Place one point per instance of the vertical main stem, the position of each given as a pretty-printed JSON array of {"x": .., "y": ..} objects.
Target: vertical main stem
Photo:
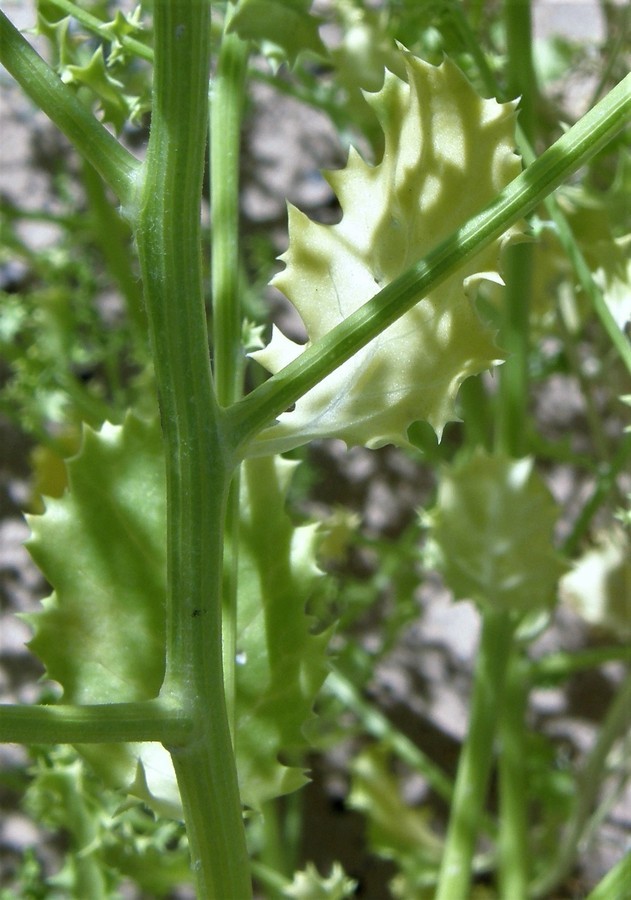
[{"x": 197, "y": 465}]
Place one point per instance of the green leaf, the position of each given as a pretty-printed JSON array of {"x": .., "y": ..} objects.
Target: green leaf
[
  {"x": 116, "y": 105},
  {"x": 282, "y": 28},
  {"x": 396, "y": 830},
  {"x": 101, "y": 634},
  {"x": 447, "y": 154},
  {"x": 282, "y": 665},
  {"x": 492, "y": 531}
]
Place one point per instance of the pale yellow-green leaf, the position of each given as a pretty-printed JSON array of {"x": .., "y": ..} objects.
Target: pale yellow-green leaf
[
  {"x": 447, "y": 154},
  {"x": 599, "y": 586}
]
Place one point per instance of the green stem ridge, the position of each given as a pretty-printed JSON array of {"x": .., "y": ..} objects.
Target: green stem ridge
[
  {"x": 116, "y": 165},
  {"x": 519, "y": 198},
  {"x": 197, "y": 467}
]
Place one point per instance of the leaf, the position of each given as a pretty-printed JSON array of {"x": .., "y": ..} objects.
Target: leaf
[
  {"x": 283, "y": 28},
  {"x": 492, "y": 529},
  {"x": 615, "y": 283},
  {"x": 396, "y": 830},
  {"x": 101, "y": 634},
  {"x": 308, "y": 884},
  {"x": 283, "y": 665},
  {"x": 599, "y": 585},
  {"x": 447, "y": 154}
]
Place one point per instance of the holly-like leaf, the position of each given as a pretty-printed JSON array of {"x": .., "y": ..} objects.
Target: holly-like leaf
[
  {"x": 492, "y": 533},
  {"x": 447, "y": 154},
  {"x": 282, "y": 28},
  {"x": 282, "y": 665},
  {"x": 101, "y": 634}
]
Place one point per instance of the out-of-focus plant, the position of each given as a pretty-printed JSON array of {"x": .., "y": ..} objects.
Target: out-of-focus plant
[{"x": 191, "y": 616}]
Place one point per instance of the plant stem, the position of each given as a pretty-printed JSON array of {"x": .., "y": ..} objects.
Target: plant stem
[
  {"x": 112, "y": 235},
  {"x": 606, "y": 482},
  {"x": 376, "y": 724},
  {"x": 197, "y": 466},
  {"x": 513, "y": 856},
  {"x": 116, "y": 165},
  {"x": 518, "y": 199},
  {"x": 515, "y": 335},
  {"x": 148, "y": 720},
  {"x": 615, "y": 883},
  {"x": 225, "y": 135},
  {"x": 512, "y": 400},
  {"x": 476, "y": 757},
  {"x": 226, "y": 109},
  {"x": 524, "y": 142},
  {"x": 511, "y": 438},
  {"x": 617, "y": 723},
  {"x": 97, "y": 26},
  {"x": 557, "y": 667}
]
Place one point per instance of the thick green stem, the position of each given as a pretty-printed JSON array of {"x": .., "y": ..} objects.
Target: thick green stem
[
  {"x": 518, "y": 199},
  {"x": 117, "y": 167},
  {"x": 476, "y": 757},
  {"x": 197, "y": 467}
]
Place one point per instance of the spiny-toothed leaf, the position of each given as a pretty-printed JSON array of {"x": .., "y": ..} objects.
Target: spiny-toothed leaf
[
  {"x": 308, "y": 884},
  {"x": 396, "y": 830},
  {"x": 101, "y": 634},
  {"x": 492, "y": 531},
  {"x": 447, "y": 154},
  {"x": 116, "y": 106},
  {"x": 282, "y": 664},
  {"x": 282, "y": 28}
]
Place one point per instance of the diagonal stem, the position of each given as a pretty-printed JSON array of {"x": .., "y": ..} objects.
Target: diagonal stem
[{"x": 116, "y": 165}]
